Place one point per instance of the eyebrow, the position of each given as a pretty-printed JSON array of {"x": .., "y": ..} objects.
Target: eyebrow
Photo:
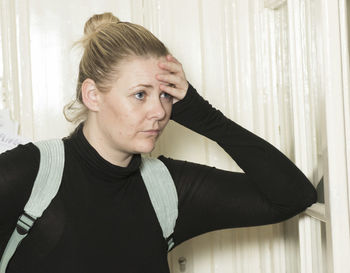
[{"x": 143, "y": 85}]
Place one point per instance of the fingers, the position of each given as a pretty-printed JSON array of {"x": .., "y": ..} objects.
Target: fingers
[
  {"x": 171, "y": 58},
  {"x": 170, "y": 78},
  {"x": 174, "y": 82},
  {"x": 171, "y": 67},
  {"x": 172, "y": 64},
  {"x": 171, "y": 89}
]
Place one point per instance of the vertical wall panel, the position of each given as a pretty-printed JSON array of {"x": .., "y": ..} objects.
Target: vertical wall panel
[
  {"x": 180, "y": 32},
  {"x": 308, "y": 96},
  {"x": 16, "y": 82},
  {"x": 213, "y": 66}
]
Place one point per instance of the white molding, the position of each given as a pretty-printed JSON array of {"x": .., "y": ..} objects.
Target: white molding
[
  {"x": 344, "y": 26},
  {"x": 7, "y": 19},
  {"x": 303, "y": 47},
  {"x": 274, "y": 4},
  {"x": 25, "y": 90},
  {"x": 305, "y": 241},
  {"x": 317, "y": 211}
]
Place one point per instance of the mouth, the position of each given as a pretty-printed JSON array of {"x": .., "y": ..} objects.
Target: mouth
[{"x": 152, "y": 132}]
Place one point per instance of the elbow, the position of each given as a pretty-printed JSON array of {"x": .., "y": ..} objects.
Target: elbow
[
  {"x": 305, "y": 196},
  {"x": 313, "y": 197},
  {"x": 300, "y": 204},
  {"x": 309, "y": 196}
]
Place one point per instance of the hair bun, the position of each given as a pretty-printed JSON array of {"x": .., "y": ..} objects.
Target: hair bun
[{"x": 99, "y": 20}]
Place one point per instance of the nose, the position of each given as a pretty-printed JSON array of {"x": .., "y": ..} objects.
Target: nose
[{"x": 156, "y": 109}]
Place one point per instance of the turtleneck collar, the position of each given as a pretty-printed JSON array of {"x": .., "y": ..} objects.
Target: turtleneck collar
[{"x": 96, "y": 162}]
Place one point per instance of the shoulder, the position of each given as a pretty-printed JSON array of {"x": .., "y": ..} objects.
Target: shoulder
[
  {"x": 175, "y": 165},
  {"x": 18, "y": 170},
  {"x": 184, "y": 172},
  {"x": 20, "y": 159}
]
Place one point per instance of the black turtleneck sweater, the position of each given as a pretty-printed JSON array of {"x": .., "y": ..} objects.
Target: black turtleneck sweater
[{"x": 102, "y": 219}]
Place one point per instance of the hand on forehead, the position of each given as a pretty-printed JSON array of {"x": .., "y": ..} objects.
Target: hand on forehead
[{"x": 176, "y": 83}]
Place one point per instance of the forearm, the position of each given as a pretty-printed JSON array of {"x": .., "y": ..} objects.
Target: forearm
[{"x": 273, "y": 174}]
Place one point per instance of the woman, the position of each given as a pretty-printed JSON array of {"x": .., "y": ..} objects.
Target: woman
[{"x": 102, "y": 220}]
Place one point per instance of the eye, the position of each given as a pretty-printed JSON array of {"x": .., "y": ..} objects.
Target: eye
[
  {"x": 167, "y": 96},
  {"x": 142, "y": 93}
]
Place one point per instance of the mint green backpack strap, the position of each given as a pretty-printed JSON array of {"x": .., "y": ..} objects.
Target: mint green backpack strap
[
  {"x": 162, "y": 192},
  {"x": 45, "y": 188}
]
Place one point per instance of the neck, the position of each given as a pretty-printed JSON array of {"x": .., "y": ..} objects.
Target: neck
[{"x": 103, "y": 146}]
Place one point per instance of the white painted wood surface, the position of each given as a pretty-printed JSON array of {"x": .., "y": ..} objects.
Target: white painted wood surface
[{"x": 337, "y": 106}]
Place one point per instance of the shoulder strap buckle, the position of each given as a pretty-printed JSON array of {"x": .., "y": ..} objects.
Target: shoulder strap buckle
[
  {"x": 25, "y": 223},
  {"x": 170, "y": 241}
]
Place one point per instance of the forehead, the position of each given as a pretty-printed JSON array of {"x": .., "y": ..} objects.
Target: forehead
[{"x": 140, "y": 68}]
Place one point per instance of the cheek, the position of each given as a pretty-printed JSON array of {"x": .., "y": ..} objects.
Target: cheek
[
  {"x": 129, "y": 123},
  {"x": 119, "y": 119},
  {"x": 168, "y": 109}
]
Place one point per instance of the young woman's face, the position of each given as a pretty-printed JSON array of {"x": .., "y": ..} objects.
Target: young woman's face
[{"x": 134, "y": 106}]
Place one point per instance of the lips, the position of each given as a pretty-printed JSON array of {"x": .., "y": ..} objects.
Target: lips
[{"x": 152, "y": 131}]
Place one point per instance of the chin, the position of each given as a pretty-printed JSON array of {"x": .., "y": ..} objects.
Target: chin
[{"x": 144, "y": 149}]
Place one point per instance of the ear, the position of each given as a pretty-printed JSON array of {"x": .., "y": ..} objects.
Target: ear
[{"x": 90, "y": 95}]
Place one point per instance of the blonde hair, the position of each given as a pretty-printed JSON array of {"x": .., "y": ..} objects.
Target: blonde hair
[{"x": 106, "y": 42}]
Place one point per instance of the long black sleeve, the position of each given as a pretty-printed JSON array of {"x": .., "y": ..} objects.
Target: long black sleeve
[
  {"x": 270, "y": 190},
  {"x": 102, "y": 219}
]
